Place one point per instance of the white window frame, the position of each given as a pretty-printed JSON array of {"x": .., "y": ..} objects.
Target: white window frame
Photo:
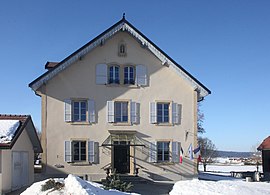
[
  {"x": 80, "y": 110},
  {"x": 163, "y": 151},
  {"x": 80, "y": 150},
  {"x": 121, "y": 111},
  {"x": 129, "y": 80},
  {"x": 113, "y": 79},
  {"x": 163, "y": 112}
]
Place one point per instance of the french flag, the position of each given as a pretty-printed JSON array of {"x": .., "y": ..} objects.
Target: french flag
[
  {"x": 181, "y": 156},
  {"x": 197, "y": 152}
]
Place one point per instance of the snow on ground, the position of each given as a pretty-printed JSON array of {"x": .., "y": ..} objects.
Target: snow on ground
[
  {"x": 227, "y": 169},
  {"x": 73, "y": 185},
  {"x": 7, "y": 130},
  {"x": 198, "y": 187}
]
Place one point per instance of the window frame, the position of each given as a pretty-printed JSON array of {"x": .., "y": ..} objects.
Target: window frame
[
  {"x": 121, "y": 102},
  {"x": 165, "y": 157},
  {"x": 114, "y": 79},
  {"x": 163, "y": 116},
  {"x": 80, "y": 114},
  {"x": 129, "y": 80},
  {"x": 73, "y": 142}
]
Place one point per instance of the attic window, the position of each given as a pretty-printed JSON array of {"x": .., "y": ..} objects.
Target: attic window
[{"x": 122, "y": 49}]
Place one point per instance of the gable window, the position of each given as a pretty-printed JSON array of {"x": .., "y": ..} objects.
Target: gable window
[
  {"x": 114, "y": 75},
  {"x": 121, "y": 112},
  {"x": 163, "y": 151},
  {"x": 79, "y": 110},
  {"x": 163, "y": 112},
  {"x": 122, "y": 49},
  {"x": 79, "y": 150},
  {"x": 129, "y": 77}
]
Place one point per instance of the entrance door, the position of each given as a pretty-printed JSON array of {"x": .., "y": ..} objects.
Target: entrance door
[{"x": 121, "y": 157}]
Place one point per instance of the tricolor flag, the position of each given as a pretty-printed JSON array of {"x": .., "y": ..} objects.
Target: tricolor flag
[
  {"x": 190, "y": 152},
  {"x": 181, "y": 155},
  {"x": 197, "y": 152}
]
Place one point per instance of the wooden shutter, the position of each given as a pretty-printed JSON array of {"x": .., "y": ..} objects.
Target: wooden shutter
[
  {"x": 176, "y": 152},
  {"x": 153, "y": 112},
  {"x": 134, "y": 112},
  {"x": 110, "y": 111},
  {"x": 68, "y": 110},
  {"x": 152, "y": 152},
  {"x": 91, "y": 111},
  {"x": 175, "y": 113},
  {"x": 91, "y": 151},
  {"x": 101, "y": 74},
  {"x": 68, "y": 156},
  {"x": 141, "y": 75}
]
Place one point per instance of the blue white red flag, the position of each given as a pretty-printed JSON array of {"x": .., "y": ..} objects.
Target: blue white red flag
[{"x": 190, "y": 152}]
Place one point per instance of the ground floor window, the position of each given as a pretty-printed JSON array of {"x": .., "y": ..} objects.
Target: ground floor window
[
  {"x": 79, "y": 150},
  {"x": 163, "y": 151}
]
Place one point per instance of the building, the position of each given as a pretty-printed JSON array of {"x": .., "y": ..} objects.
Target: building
[
  {"x": 119, "y": 102},
  {"x": 18, "y": 143},
  {"x": 265, "y": 148}
]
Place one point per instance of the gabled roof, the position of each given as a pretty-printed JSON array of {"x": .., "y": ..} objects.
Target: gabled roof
[
  {"x": 122, "y": 25},
  {"x": 25, "y": 123},
  {"x": 265, "y": 145}
]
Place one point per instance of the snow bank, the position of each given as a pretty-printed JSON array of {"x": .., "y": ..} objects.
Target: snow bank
[
  {"x": 198, "y": 187},
  {"x": 7, "y": 130},
  {"x": 73, "y": 185}
]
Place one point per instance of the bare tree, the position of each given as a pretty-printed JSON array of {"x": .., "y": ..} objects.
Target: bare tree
[
  {"x": 256, "y": 156},
  {"x": 208, "y": 151},
  {"x": 200, "y": 119}
]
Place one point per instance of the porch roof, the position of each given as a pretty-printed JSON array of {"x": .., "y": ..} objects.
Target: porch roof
[{"x": 118, "y": 136}]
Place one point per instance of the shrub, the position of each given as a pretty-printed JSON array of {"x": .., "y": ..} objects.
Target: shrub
[
  {"x": 113, "y": 182},
  {"x": 51, "y": 184}
]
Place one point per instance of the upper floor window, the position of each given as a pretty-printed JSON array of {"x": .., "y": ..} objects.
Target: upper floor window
[
  {"x": 129, "y": 76},
  {"x": 121, "y": 112},
  {"x": 114, "y": 74},
  {"x": 163, "y": 112},
  {"x": 79, "y": 110}
]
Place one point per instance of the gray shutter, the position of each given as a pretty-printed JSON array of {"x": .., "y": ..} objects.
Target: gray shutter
[
  {"x": 175, "y": 113},
  {"x": 152, "y": 152},
  {"x": 141, "y": 75},
  {"x": 176, "y": 152},
  {"x": 68, "y": 157},
  {"x": 134, "y": 112},
  {"x": 110, "y": 111},
  {"x": 91, "y": 151},
  {"x": 91, "y": 111},
  {"x": 68, "y": 110},
  {"x": 101, "y": 74},
  {"x": 153, "y": 112}
]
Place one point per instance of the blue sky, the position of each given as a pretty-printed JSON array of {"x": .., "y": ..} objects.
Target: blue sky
[{"x": 224, "y": 44}]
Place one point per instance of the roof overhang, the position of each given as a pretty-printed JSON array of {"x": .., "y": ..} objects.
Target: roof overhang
[
  {"x": 123, "y": 138},
  {"x": 122, "y": 25}
]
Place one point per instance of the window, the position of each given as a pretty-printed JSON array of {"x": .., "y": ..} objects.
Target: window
[
  {"x": 129, "y": 75},
  {"x": 114, "y": 75},
  {"x": 163, "y": 112},
  {"x": 163, "y": 151},
  {"x": 122, "y": 49},
  {"x": 79, "y": 150},
  {"x": 121, "y": 112},
  {"x": 79, "y": 110}
]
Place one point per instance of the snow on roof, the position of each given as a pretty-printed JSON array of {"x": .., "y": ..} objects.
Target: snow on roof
[{"x": 8, "y": 129}]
